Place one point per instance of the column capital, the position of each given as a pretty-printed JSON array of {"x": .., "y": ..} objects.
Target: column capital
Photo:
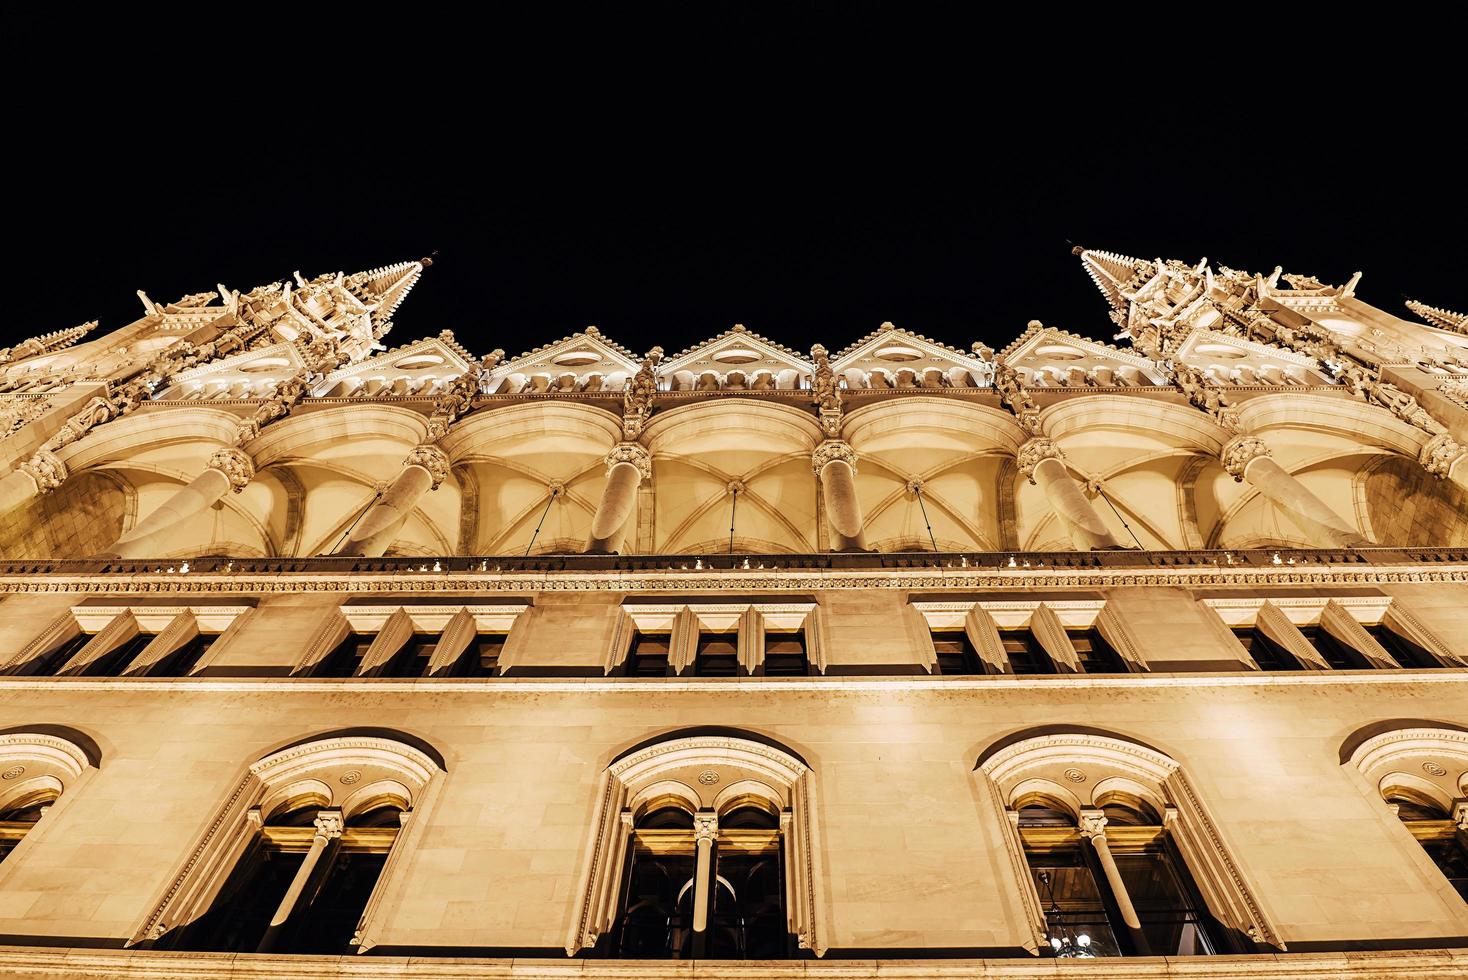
[
  {"x": 1035, "y": 452},
  {"x": 235, "y": 464},
  {"x": 1239, "y": 452},
  {"x": 631, "y": 452},
  {"x": 705, "y": 827},
  {"x": 1460, "y": 815},
  {"x": 831, "y": 451},
  {"x": 330, "y": 824},
  {"x": 432, "y": 459},
  {"x": 1439, "y": 455},
  {"x": 46, "y": 469},
  {"x": 1093, "y": 824}
]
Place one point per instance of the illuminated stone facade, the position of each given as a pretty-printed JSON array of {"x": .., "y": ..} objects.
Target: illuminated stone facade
[{"x": 893, "y": 657}]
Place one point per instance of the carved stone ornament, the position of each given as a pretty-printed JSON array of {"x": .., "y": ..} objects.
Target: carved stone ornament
[
  {"x": 1439, "y": 455},
  {"x": 329, "y": 824},
  {"x": 432, "y": 459},
  {"x": 705, "y": 827},
  {"x": 1013, "y": 396},
  {"x": 1035, "y": 452},
  {"x": 1092, "y": 823},
  {"x": 631, "y": 452},
  {"x": 638, "y": 396},
  {"x": 829, "y": 452},
  {"x": 1239, "y": 452},
  {"x": 48, "y": 471},
  {"x": 236, "y": 465},
  {"x": 1455, "y": 392}
]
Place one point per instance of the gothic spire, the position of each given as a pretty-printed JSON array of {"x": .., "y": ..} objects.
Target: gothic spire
[
  {"x": 1440, "y": 318},
  {"x": 1112, "y": 272},
  {"x": 387, "y": 286}
]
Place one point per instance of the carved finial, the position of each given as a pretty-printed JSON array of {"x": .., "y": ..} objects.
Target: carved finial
[
  {"x": 1035, "y": 325},
  {"x": 1078, "y": 250},
  {"x": 738, "y": 328},
  {"x": 887, "y": 325},
  {"x": 592, "y": 331}
]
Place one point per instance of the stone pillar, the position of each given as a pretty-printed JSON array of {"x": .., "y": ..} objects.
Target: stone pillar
[
  {"x": 834, "y": 463},
  {"x": 423, "y": 470},
  {"x": 628, "y": 464},
  {"x": 40, "y": 474},
  {"x": 227, "y": 469},
  {"x": 329, "y": 827},
  {"x": 1247, "y": 459},
  {"x": 1040, "y": 460},
  {"x": 1093, "y": 828},
  {"x": 705, "y": 832}
]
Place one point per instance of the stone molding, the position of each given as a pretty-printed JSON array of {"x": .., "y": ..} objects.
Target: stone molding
[
  {"x": 205, "y": 870},
  {"x": 1029, "y": 766},
  {"x": 759, "y": 765}
]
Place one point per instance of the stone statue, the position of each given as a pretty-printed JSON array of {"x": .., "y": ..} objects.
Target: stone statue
[{"x": 638, "y": 395}]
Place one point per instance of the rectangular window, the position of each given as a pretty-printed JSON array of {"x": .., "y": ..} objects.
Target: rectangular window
[
  {"x": 347, "y": 657},
  {"x": 718, "y": 655},
  {"x": 1026, "y": 656},
  {"x": 956, "y": 655},
  {"x": 1096, "y": 655},
  {"x": 48, "y": 664},
  {"x": 785, "y": 655},
  {"x": 115, "y": 661},
  {"x": 1406, "y": 653},
  {"x": 412, "y": 659},
  {"x": 482, "y": 659},
  {"x": 649, "y": 655},
  {"x": 1266, "y": 653},
  {"x": 1340, "y": 656},
  {"x": 182, "y": 661}
]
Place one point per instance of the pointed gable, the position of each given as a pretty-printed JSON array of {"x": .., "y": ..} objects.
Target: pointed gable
[
  {"x": 736, "y": 360},
  {"x": 892, "y": 358},
  {"x": 584, "y": 361},
  {"x": 250, "y": 374},
  {"x": 1233, "y": 360},
  {"x": 413, "y": 369},
  {"x": 1048, "y": 357},
  {"x": 1440, "y": 318}
]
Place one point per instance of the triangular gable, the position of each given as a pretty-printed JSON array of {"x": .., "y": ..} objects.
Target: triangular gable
[
  {"x": 736, "y": 351},
  {"x": 889, "y": 352},
  {"x": 581, "y": 355},
  {"x": 433, "y": 358},
  {"x": 1234, "y": 360},
  {"x": 1051, "y": 356},
  {"x": 249, "y": 369}
]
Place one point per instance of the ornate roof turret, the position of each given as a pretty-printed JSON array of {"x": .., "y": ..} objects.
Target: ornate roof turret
[
  {"x": 47, "y": 343},
  {"x": 1115, "y": 274},
  {"x": 1440, "y": 318}
]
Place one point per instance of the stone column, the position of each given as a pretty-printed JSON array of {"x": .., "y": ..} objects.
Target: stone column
[
  {"x": 1040, "y": 460},
  {"x": 329, "y": 827},
  {"x": 705, "y": 832},
  {"x": 38, "y": 475},
  {"x": 1093, "y": 828},
  {"x": 423, "y": 470},
  {"x": 1247, "y": 459},
  {"x": 228, "y": 469},
  {"x": 628, "y": 464},
  {"x": 834, "y": 463}
]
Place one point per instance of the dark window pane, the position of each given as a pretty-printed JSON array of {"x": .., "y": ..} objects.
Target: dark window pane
[
  {"x": 1160, "y": 892},
  {"x": 237, "y": 920},
  {"x": 1340, "y": 656},
  {"x": 1096, "y": 655},
  {"x": 1026, "y": 656},
  {"x": 327, "y": 924},
  {"x": 1452, "y": 861},
  {"x": 56, "y": 659},
  {"x": 718, "y": 655},
  {"x": 656, "y": 921},
  {"x": 748, "y": 920},
  {"x": 412, "y": 659},
  {"x": 347, "y": 657},
  {"x": 1075, "y": 911},
  {"x": 183, "y": 660},
  {"x": 785, "y": 655},
  {"x": 649, "y": 655},
  {"x": 956, "y": 655},
  {"x": 1266, "y": 653},
  {"x": 113, "y": 663},
  {"x": 1406, "y": 653}
]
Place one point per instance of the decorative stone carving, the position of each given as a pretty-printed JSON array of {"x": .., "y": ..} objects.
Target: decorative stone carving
[
  {"x": 48, "y": 471},
  {"x": 1203, "y": 394},
  {"x": 277, "y": 406},
  {"x": 638, "y": 397},
  {"x": 1439, "y": 455},
  {"x": 1239, "y": 452},
  {"x": 830, "y": 451},
  {"x": 1455, "y": 392},
  {"x": 705, "y": 827},
  {"x": 1092, "y": 823},
  {"x": 1033, "y": 453},
  {"x": 1013, "y": 396},
  {"x": 826, "y": 392},
  {"x": 631, "y": 452},
  {"x": 235, "y": 464},
  {"x": 432, "y": 459}
]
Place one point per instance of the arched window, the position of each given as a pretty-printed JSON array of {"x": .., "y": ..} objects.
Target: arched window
[
  {"x": 35, "y": 770},
  {"x": 1115, "y": 855},
  {"x": 1422, "y": 774},
  {"x": 294, "y": 861},
  {"x": 703, "y": 848}
]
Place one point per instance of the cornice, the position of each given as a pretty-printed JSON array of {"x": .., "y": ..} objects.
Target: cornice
[{"x": 449, "y": 582}]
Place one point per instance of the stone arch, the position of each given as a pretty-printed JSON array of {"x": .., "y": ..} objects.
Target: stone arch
[
  {"x": 328, "y": 771},
  {"x": 1078, "y": 768},
  {"x": 38, "y": 769},
  {"x": 677, "y": 766}
]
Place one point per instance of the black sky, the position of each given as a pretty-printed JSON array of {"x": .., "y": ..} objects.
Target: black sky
[{"x": 664, "y": 208}]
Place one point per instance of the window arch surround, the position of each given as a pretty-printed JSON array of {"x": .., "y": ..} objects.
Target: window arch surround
[
  {"x": 37, "y": 771},
  {"x": 354, "y": 774},
  {"x": 1085, "y": 774},
  {"x": 1427, "y": 769},
  {"x": 676, "y": 771}
]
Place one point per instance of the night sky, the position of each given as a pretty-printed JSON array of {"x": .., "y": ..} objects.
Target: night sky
[{"x": 804, "y": 212}]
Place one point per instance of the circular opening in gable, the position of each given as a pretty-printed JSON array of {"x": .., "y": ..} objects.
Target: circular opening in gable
[
  {"x": 418, "y": 361},
  {"x": 736, "y": 355},
  {"x": 899, "y": 354},
  {"x": 1059, "y": 352},
  {"x": 265, "y": 364}
]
